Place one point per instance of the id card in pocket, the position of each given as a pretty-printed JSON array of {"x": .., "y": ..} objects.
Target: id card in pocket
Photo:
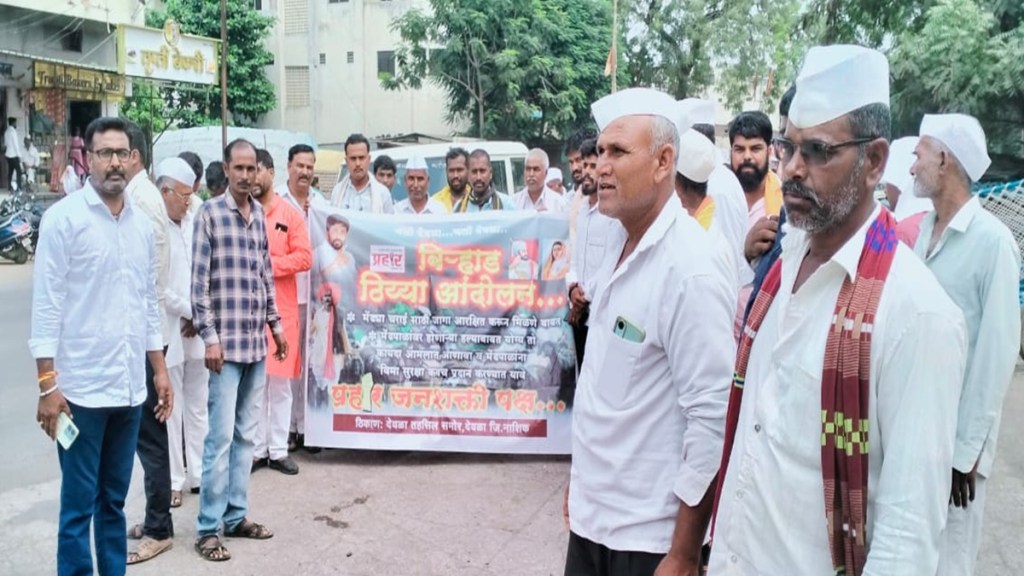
[{"x": 66, "y": 431}]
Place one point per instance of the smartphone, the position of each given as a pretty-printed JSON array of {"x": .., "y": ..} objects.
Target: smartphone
[
  {"x": 628, "y": 331},
  {"x": 66, "y": 431}
]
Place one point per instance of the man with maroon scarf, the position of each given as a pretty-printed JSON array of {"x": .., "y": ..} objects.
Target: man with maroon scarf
[{"x": 842, "y": 418}]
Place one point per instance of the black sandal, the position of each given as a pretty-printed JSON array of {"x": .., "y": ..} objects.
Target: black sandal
[
  {"x": 210, "y": 548},
  {"x": 251, "y": 530}
]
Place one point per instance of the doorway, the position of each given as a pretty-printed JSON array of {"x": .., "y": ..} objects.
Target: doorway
[{"x": 81, "y": 113}]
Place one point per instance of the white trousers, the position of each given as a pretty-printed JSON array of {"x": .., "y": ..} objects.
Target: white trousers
[
  {"x": 274, "y": 417},
  {"x": 960, "y": 541},
  {"x": 188, "y": 421},
  {"x": 298, "y": 423}
]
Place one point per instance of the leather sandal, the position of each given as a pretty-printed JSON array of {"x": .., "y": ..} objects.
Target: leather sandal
[
  {"x": 210, "y": 548},
  {"x": 148, "y": 549}
]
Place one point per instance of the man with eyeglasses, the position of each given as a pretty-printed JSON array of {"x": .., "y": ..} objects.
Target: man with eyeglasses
[
  {"x": 848, "y": 373},
  {"x": 175, "y": 177},
  {"x": 95, "y": 323},
  {"x": 152, "y": 449}
]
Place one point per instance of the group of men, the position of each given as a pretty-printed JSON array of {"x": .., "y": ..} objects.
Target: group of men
[
  {"x": 849, "y": 424},
  {"x": 828, "y": 394}
]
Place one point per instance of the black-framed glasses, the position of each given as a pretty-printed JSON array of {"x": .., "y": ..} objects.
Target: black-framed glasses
[
  {"x": 105, "y": 154},
  {"x": 814, "y": 152}
]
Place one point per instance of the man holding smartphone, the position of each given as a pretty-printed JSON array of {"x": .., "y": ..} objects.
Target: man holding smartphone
[{"x": 91, "y": 338}]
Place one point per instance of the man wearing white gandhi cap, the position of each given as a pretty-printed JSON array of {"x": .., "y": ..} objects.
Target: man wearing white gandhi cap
[
  {"x": 648, "y": 417},
  {"x": 976, "y": 259},
  {"x": 417, "y": 184},
  {"x": 841, "y": 421}
]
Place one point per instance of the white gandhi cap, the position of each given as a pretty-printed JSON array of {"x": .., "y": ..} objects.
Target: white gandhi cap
[
  {"x": 963, "y": 135},
  {"x": 695, "y": 111},
  {"x": 697, "y": 156},
  {"x": 553, "y": 174},
  {"x": 836, "y": 80},
  {"x": 176, "y": 169},
  {"x": 633, "y": 102},
  {"x": 415, "y": 162}
]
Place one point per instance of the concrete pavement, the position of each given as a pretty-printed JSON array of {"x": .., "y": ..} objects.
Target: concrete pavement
[{"x": 368, "y": 513}]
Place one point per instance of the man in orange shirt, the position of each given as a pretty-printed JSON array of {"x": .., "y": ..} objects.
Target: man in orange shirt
[{"x": 290, "y": 254}]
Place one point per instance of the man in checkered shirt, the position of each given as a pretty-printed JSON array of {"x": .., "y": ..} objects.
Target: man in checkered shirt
[{"x": 232, "y": 302}]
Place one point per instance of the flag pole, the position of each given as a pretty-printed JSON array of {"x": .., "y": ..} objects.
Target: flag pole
[
  {"x": 224, "y": 73},
  {"x": 615, "y": 40}
]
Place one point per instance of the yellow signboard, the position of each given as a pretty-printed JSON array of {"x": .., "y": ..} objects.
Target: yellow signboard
[
  {"x": 167, "y": 54},
  {"x": 81, "y": 83}
]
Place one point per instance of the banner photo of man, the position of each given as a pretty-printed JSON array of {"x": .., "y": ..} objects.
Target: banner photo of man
[{"x": 434, "y": 333}]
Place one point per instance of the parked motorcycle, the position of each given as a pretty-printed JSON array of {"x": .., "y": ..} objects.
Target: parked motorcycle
[{"x": 15, "y": 238}]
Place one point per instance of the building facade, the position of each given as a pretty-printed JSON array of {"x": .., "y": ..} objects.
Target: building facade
[
  {"x": 58, "y": 69},
  {"x": 328, "y": 59}
]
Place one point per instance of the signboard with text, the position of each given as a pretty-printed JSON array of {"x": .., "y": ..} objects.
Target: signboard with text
[
  {"x": 167, "y": 54},
  {"x": 81, "y": 83},
  {"x": 439, "y": 333}
]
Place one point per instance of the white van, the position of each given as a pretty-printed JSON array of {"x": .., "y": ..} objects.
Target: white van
[{"x": 508, "y": 163}]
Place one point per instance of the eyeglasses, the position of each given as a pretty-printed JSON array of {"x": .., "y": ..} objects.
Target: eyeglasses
[
  {"x": 814, "y": 152},
  {"x": 106, "y": 154}
]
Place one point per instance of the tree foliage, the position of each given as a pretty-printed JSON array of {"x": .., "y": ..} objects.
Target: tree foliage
[
  {"x": 522, "y": 69},
  {"x": 746, "y": 49},
  {"x": 250, "y": 92}
]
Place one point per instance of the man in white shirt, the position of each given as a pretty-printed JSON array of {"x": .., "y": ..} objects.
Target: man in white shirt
[
  {"x": 185, "y": 352},
  {"x": 553, "y": 180},
  {"x": 12, "y": 152},
  {"x": 976, "y": 259},
  {"x": 299, "y": 192},
  {"x": 593, "y": 232},
  {"x": 417, "y": 183},
  {"x": 97, "y": 334},
  {"x": 358, "y": 190},
  {"x": 650, "y": 404},
  {"x": 536, "y": 195},
  {"x": 152, "y": 448},
  {"x": 31, "y": 160},
  {"x": 174, "y": 179},
  {"x": 841, "y": 422}
]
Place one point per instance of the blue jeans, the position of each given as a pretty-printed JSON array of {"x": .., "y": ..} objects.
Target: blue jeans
[
  {"x": 95, "y": 474},
  {"x": 235, "y": 399}
]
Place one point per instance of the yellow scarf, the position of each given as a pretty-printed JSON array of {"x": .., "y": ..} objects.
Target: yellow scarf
[{"x": 705, "y": 213}]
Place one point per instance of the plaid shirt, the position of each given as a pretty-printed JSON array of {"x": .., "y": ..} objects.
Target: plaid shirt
[{"x": 232, "y": 280}]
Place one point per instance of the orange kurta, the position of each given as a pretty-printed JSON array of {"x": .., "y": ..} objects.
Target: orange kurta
[{"x": 290, "y": 253}]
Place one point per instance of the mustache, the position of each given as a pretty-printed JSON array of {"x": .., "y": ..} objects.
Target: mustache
[{"x": 797, "y": 189}]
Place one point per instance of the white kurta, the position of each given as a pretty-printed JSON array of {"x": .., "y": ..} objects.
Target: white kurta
[
  {"x": 432, "y": 207},
  {"x": 731, "y": 215},
  {"x": 549, "y": 201},
  {"x": 977, "y": 262},
  {"x": 771, "y": 517},
  {"x": 147, "y": 198},
  {"x": 594, "y": 233},
  {"x": 649, "y": 416}
]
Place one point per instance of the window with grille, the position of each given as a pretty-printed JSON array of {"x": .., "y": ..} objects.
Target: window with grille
[
  {"x": 385, "y": 63},
  {"x": 296, "y": 16},
  {"x": 296, "y": 86}
]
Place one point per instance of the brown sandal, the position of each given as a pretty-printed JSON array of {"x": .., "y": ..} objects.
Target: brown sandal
[
  {"x": 148, "y": 549},
  {"x": 210, "y": 548},
  {"x": 175, "y": 498},
  {"x": 249, "y": 529}
]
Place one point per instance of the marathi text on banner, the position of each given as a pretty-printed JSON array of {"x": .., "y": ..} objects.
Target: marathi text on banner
[{"x": 439, "y": 332}]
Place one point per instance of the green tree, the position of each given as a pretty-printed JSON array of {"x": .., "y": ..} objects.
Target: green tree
[
  {"x": 746, "y": 49},
  {"x": 522, "y": 69},
  {"x": 250, "y": 92},
  {"x": 965, "y": 58}
]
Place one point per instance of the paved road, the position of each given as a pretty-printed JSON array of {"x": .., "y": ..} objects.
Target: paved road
[{"x": 369, "y": 513}]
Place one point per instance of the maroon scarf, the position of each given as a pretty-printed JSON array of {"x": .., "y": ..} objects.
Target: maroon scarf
[{"x": 845, "y": 394}]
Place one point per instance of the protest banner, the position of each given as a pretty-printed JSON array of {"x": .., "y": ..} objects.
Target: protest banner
[{"x": 442, "y": 332}]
